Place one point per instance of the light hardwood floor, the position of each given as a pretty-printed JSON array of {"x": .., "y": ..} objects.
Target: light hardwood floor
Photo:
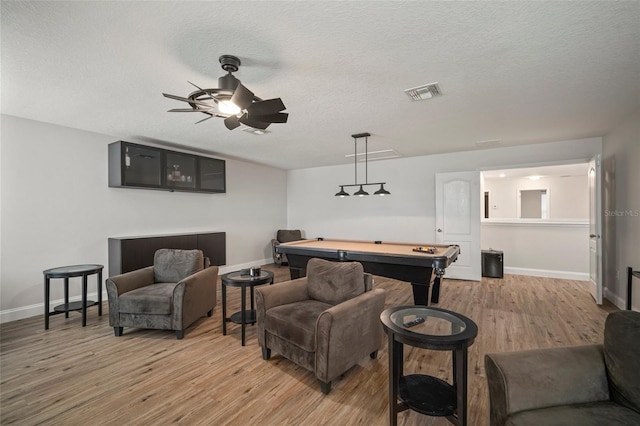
[{"x": 73, "y": 375}]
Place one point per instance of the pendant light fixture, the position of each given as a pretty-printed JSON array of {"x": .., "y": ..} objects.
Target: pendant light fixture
[{"x": 361, "y": 192}]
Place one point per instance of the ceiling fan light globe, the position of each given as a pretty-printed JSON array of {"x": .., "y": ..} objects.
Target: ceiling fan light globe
[{"x": 228, "y": 108}]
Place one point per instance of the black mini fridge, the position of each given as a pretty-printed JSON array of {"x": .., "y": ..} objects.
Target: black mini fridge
[{"x": 492, "y": 264}]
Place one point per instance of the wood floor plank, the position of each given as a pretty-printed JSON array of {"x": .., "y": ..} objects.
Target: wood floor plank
[{"x": 70, "y": 374}]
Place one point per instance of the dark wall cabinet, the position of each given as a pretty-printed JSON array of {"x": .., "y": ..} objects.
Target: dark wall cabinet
[
  {"x": 145, "y": 167},
  {"x": 130, "y": 253}
]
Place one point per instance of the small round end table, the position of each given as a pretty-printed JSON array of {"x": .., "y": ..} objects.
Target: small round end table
[
  {"x": 67, "y": 272},
  {"x": 428, "y": 328},
  {"x": 242, "y": 280}
]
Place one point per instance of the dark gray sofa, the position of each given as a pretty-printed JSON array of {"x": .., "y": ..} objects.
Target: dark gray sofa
[{"x": 574, "y": 386}]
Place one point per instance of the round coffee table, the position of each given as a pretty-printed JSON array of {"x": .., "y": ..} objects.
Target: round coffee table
[
  {"x": 242, "y": 280},
  {"x": 436, "y": 329}
]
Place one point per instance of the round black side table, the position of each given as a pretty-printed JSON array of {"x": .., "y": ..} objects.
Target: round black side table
[
  {"x": 428, "y": 328},
  {"x": 242, "y": 280},
  {"x": 67, "y": 272}
]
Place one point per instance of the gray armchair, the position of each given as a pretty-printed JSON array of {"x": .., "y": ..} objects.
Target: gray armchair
[
  {"x": 172, "y": 294},
  {"x": 283, "y": 236},
  {"x": 580, "y": 385},
  {"x": 325, "y": 322}
]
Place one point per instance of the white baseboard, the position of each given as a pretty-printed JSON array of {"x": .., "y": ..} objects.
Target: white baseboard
[
  {"x": 38, "y": 309},
  {"x": 563, "y": 275},
  {"x": 618, "y": 301},
  {"x": 23, "y": 312}
]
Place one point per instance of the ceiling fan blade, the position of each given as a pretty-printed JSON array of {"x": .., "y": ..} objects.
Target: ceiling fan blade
[
  {"x": 204, "y": 119},
  {"x": 279, "y": 117},
  {"x": 253, "y": 123},
  {"x": 270, "y": 106},
  {"x": 242, "y": 96},
  {"x": 191, "y": 101},
  {"x": 232, "y": 122},
  {"x": 187, "y": 110},
  {"x": 196, "y": 86}
]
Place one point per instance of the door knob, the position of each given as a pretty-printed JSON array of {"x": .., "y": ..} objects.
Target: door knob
[
  {"x": 439, "y": 230},
  {"x": 594, "y": 236}
]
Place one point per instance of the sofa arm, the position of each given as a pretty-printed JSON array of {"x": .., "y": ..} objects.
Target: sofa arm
[
  {"x": 540, "y": 378},
  {"x": 347, "y": 332}
]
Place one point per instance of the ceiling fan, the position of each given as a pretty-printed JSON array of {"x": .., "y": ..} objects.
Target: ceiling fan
[{"x": 233, "y": 101}]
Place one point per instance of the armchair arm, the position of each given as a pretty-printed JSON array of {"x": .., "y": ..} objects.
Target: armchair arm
[
  {"x": 130, "y": 280},
  {"x": 194, "y": 296},
  {"x": 539, "y": 378},
  {"x": 269, "y": 296},
  {"x": 347, "y": 332},
  {"x": 123, "y": 283},
  {"x": 283, "y": 293}
]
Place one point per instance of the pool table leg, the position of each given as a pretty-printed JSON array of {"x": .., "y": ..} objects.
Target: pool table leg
[
  {"x": 435, "y": 292},
  {"x": 420, "y": 294}
]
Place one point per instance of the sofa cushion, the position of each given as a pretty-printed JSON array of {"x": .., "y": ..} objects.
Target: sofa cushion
[
  {"x": 622, "y": 357},
  {"x": 592, "y": 414},
  {"x": 334, "y": 282},
  {"x": 154, "y": 299},
  {"x": 296, "y": 322},
  {"x": 172, "y": 265}
]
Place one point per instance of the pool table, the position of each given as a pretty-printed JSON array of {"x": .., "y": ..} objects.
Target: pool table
[{"x": 399, "y": 261}]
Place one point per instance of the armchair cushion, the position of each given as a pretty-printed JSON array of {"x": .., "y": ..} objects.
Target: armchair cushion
[
  {"x": 541, "y": 378},
  {"x": 171, "y": 265},
  {"x": 156, "y": 299},
  {"x": 296, "y": 322},
  {"x": 334, "y": 282}
]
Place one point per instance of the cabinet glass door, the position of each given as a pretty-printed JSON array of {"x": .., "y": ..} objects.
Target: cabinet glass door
[
  {"x": 141, "y": 165},
  {"x": 180, "y": 170},
  {"x": 212, "y": 175}
]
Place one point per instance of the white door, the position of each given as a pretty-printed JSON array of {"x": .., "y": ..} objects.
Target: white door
[
  {"x": 595, "y": 230},
  {"x": 458, "y": 221}
]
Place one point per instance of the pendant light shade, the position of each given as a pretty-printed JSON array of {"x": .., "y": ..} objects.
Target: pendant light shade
[
  {"x": 342, "y": 192},
  {"x": 361, "y": 192},
  {"x": 381, "y": 192}
]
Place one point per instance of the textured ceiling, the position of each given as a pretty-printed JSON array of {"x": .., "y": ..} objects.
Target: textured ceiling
[{"x": 518, "y": 72}]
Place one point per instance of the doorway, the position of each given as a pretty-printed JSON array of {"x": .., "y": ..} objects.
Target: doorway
[{"x": 539, "y": 217}]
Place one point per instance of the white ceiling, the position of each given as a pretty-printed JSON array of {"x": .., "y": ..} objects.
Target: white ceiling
[{"x": 519, "y": 72}]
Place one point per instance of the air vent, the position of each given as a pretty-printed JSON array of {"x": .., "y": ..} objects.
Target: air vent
[{"x": 421, "y": 93}]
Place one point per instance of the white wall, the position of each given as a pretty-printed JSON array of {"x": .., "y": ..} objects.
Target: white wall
[
  {"x": 57, "y": 209},
  {"x": 546, "y": 249},
  {"x": 621, "y": 201},
  {"x": 408, "y": 214},
  {"x": 568, "y": 196}
]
